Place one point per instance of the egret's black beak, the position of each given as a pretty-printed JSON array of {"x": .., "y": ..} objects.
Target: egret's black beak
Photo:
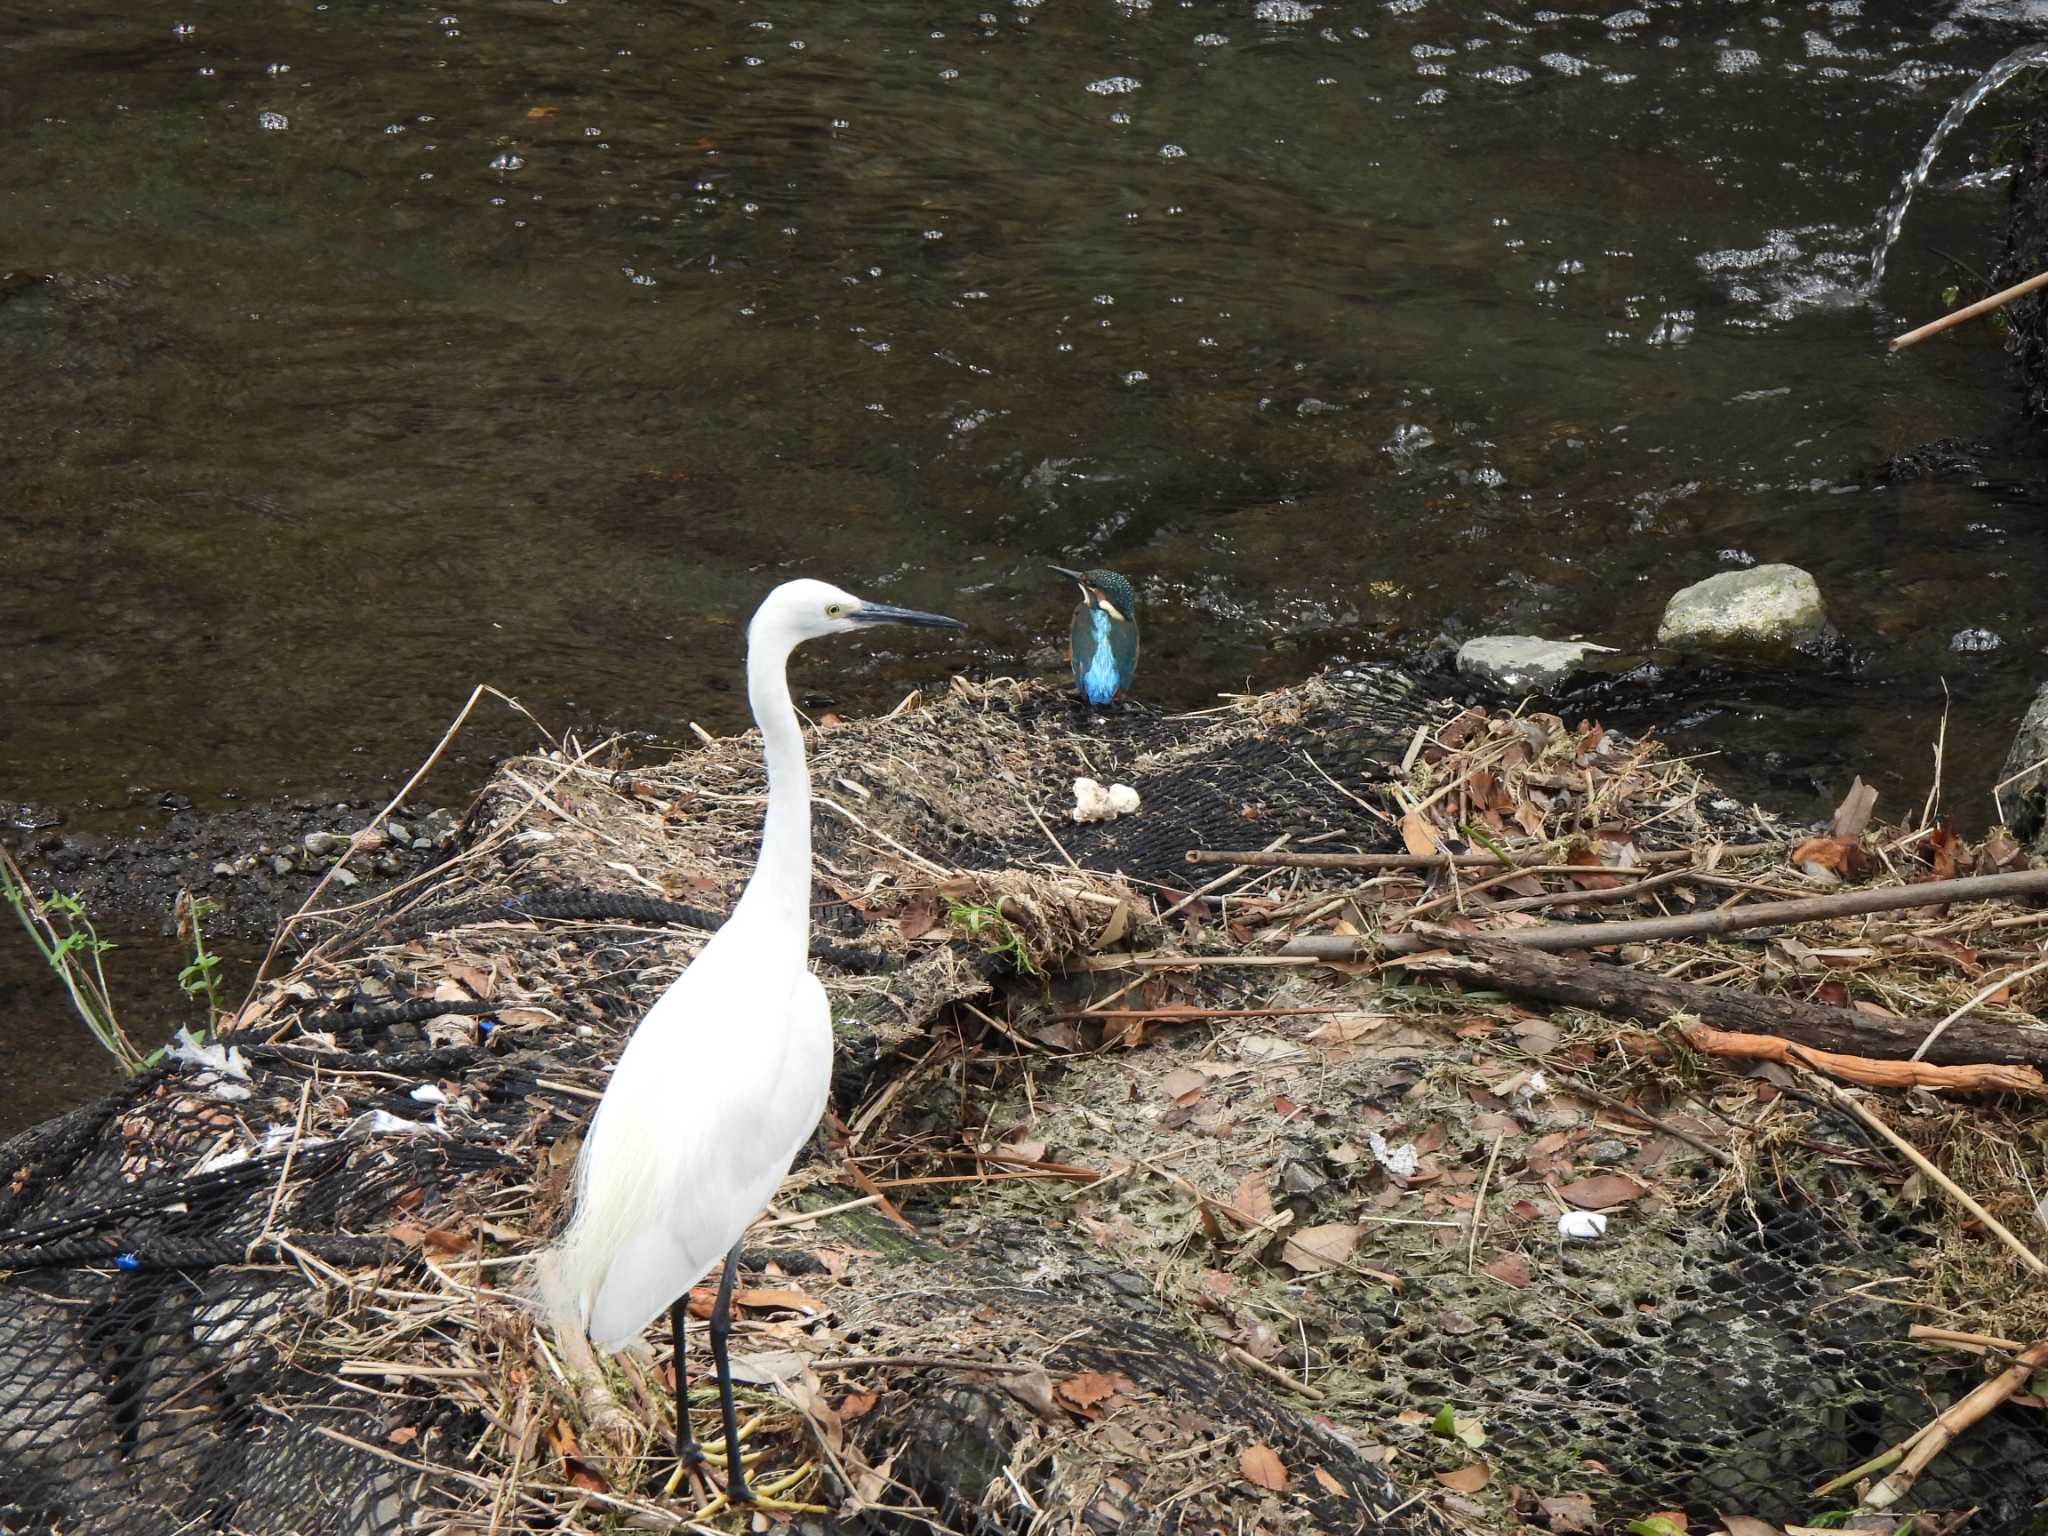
[{"x": 882, "y": 613}]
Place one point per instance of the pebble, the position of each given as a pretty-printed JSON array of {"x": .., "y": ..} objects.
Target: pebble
[
  {"x": 344, "y": 879},
  {"x": 324, "y": 842},
  {"x": 1607, "y": 1151},
  {"x": 224, "y": 869},
  {"x": 280, "y": 865},
  {"x": 400, "y": 832}
]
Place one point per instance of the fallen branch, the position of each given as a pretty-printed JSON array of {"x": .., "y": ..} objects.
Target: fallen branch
[
  {"x": 1957, "y": 1418},
  {"x": 1259, "y": 858},
  {"x": 1868, "y": 1071},
  {"x": 1716, "y": 920},
  {"x": 1620, "y": 992}
]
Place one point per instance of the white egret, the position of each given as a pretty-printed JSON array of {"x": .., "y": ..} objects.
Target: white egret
[{"x": 726, "y": 1077}]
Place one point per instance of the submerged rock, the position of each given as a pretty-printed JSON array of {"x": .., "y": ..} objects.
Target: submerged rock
[
  {"x": 1767, "y": 610},
  {"x": 1524, "y": 661}
]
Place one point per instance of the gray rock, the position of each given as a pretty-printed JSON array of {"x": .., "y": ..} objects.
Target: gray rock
[
  {"x": 400, "y": 832},
  {"x": 224, "y": 869},
  {"x": 1608, "y": 1151},
  {"x": 344, "y": 879},
  {"x": 280, "y": 865},
  {"x": 324, "y": 842},
  {"x": 1767, "y": 611},
  {"x": 2024, "y": 802},
  {"x": 1523, "y": 661}
]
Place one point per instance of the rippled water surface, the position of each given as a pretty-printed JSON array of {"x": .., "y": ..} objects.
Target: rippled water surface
[{"x": 358, "y": 352}]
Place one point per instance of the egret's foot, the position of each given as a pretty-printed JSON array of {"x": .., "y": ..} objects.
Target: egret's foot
[
  {"x": 715, "y": 1449},
  {"x": 766, "y": 1496},
  {"x": 690, "y": 1459}
]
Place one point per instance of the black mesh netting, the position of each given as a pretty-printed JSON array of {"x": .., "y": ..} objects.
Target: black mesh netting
[{"x": 220, "y": 1314}]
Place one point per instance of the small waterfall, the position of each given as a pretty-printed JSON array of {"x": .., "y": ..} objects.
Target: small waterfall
[{"x": 1895, "y": 216}]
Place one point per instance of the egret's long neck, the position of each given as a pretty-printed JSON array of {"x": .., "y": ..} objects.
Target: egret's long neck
[{"x": 782, "y": 877}]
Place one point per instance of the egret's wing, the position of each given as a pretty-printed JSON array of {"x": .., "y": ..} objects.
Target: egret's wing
[{"x": 703, "y": 1114}]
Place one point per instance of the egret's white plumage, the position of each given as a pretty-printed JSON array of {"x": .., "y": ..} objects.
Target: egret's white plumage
[{"x": 726, "y": 1077}]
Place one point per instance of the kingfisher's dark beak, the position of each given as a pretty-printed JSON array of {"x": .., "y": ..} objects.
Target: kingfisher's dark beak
[
  {"x": 882, "y": 613},
  {"x": 1076, "y": 577}
]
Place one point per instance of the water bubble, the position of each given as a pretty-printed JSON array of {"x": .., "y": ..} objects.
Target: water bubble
[
  {"x": 750, "y": 61},
  {"x": 1283, "y": 10},
  {"x": 1435, "y": 96},
  {"x": 1975, "y": 640},
  {"x": 1506, "y": 74},
  {"x": 394, "y": 127},
  {"x": 206, "y": 69},
  {"x": 426, "y": 175},
  {"x": 1738, "y": 61},
  {"x": 505, "y": 160},
  {"x": 273, "y": 122},
  {"x": 1136, "y": 376},
  {"x": 1105, "y": 298},
  {"x": 497, "y": 202},
  {"x": 182, "y": 29},
  {"x": 935, "y": 234},
  {"x": 1210, "y": 39},
  {"x": 1113, "y": 85},
  {"x": 1172, "y": 152},
  {"x": 275, "y": 70},
  {"x": 1673, "y": 328},
  {"x": 424, "y": 117},
  {"x": 447, "y": 21},
  {"x": 840, "y": 122},
  {"x": 796, "y": 45},
  {"x": 949, "y": 73},
  {"x": 1621, "y": 21},
  {"x": 1408, "y": 441},
  {"x": 1121, "y": 119}
]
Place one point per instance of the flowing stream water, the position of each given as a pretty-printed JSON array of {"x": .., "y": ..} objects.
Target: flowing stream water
[
  {"x": 1894, "y": 221},
  {"x": 356, "y": 353}
]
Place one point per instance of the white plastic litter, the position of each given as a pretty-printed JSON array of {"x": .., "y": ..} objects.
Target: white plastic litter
[
  {"x": 1537, "y": 1083},
  {"x": 1583, "y": 1225},
  {"x": 229, "y": 1072},
  {"x": 1399, "y": 1161},
  {"x": 427, "y": 1093},
  {"x": 1094, "y": 802}
]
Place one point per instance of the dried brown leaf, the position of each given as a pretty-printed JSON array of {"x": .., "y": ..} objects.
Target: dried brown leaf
[
  {"x": 1602, "y": 1189},
  {"x": 1315, "y": 1249},
  {"x": 1511, "y": 1269},
  {"x": 1262, "y": 1467},
  {"x": 1569, "y": 1514},
  {"x": 1466, "y": 1479}
]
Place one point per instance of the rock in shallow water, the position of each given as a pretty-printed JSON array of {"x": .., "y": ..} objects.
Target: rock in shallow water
[
  {"x": 2023, "y": 801},
  {"x": 1767, "y": 611},
  {"x": 1523, "y": 661}
]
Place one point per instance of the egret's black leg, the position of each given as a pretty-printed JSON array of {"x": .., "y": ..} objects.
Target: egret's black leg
[
  {"x": 687, "y": 1451},
  {"x": 736, "y": 1488}
]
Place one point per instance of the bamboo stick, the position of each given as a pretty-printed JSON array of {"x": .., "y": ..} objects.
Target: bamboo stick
[{"x": 1970, "y": 311}]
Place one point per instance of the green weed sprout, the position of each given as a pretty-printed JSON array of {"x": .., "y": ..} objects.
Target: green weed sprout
[{"x": 64, "y": 936}]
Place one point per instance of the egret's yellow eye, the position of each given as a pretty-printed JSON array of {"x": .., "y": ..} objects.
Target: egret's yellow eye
[{"x": 835, "y": 610}]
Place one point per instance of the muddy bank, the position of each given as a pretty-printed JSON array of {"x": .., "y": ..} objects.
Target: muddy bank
[{"x": 256, "y": 863}]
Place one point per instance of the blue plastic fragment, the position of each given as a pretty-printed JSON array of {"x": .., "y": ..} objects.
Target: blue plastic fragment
[
  {"x": 485, "y": 1026},
  {"x": 127, "y": 1261}
]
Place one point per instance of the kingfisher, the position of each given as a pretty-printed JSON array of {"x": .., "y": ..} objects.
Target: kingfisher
[{"x": 1103, "y": 644}]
